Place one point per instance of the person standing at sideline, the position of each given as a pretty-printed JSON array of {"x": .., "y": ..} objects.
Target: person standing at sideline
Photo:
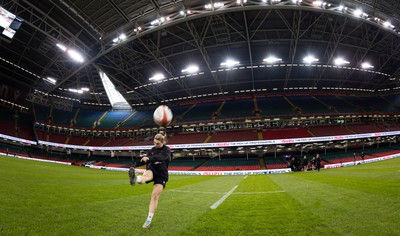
[
  {"x": 156, "y": 161},
  {"x": 362, "y": 155},
  {"x": 305, "y": 163},
  {"x": 318, "y": 162}
]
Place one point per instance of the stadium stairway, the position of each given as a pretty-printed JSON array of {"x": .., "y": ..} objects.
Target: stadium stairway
[{"x": 217, "y": 112}]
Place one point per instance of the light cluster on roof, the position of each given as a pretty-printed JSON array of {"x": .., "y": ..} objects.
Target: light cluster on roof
[
  {"x": 231, "y": 63},
  {"x": 120, "y": 38},
  {"x": 75, "y": 55},
  {"x": 213, "y": 6}
]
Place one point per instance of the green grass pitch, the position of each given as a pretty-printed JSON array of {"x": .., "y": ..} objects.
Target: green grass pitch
[{"x": 39, "y": 198}]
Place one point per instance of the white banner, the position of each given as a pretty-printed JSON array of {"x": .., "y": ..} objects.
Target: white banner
[{"x": 229, "y": 144}]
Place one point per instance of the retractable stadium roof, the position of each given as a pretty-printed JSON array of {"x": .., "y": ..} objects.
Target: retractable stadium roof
[{"x": 166, "y": 37}]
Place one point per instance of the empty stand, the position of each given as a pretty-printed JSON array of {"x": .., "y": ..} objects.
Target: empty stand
[
  {"x": 286, "y": 133},
  {"x": 237, "y": 109},
  {"x": 275, "y": 106},
  {"x": 234, "y": 135},
  {"x": 329, "y": 130}
]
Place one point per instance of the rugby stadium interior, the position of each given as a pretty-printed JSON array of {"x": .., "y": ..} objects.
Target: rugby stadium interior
[{"x": 251, "y": 84}]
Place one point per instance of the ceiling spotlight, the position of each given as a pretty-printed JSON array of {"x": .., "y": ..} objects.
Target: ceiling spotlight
[
  {"x": 50, "y": 80},
  {"x": 191, "y": 69},
  {"x": 157, "y": 77},
  {"x": 229, "y": 63},
  {"x": 75, "y": 55},
  {"x": 310, "y": 59},
  {"x": 387, "y": 24},
  {"x": 340, "y": 61},
  {"x": 272, "y": 59},
  {"x": 357, "y": 13},
  {"x": 342, "y": 8},
  {"x": 75, "y": 90},
  {"x": 62, "y": 47},
  {"x": 366, "y": 65}
]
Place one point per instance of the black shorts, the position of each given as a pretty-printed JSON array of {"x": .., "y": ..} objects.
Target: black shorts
[{"x": 159, "y": 177}]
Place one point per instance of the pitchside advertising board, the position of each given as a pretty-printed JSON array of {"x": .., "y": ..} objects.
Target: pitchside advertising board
[
  {"x": 228, "y": 144},
  {"x": 243, "y": 172}
]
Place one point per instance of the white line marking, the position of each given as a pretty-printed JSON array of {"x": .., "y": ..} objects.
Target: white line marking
[
  {"x": 245, "y": 177},
  {"x": 217, "y": 203}
]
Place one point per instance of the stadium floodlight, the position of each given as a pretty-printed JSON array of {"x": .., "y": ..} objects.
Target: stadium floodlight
[
  {"x": 75, "y": 55},
  {"x": 157, "y": 77},
  {"x": 191, "y": 69},
  {"x": 122, "y": 36},
  {"x": 229, "y": 63},
  {"x": 366, "y": 65},
  {"x": 342, "y": 8},
  {"x": 340, "y": 61},
  {"x": 310, "y": 59},
  {"x": 62, "y": 47},
  {"x": 358, "y": 13},
  {"x": 75, "y": 90},
  {"x": 215, "y": 5},
  {"x": 387, "y": 24},
  {"x": 50, "y": 80},
  {"x": 272, "y": 59},
  {"x": 85, "y": 89}
]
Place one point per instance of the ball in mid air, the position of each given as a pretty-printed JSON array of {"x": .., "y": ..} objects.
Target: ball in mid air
[{"x": 162, "y": 116}]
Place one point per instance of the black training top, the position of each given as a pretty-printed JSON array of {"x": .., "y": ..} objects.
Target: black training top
[{"x": 159, "y": 159}]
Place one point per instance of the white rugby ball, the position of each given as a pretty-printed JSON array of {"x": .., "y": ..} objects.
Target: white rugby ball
[{"x": 162, "y": 116}]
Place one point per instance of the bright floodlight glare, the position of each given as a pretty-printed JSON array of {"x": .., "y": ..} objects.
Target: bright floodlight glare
[
  {"x": 75, "y": 56},
  {"x": 387, "y": 24},
  {"x": 340, "y": 61},
  {"x": 271, "y": 59},
  {"x": 157, "y": 77},
  {"x": 366, "y": 65},
  {"x": 191, "y": 69},
  {"x": 342, "y": 8},
  {"x": 310, "y": 59},
  {"x": 357, "y": 13},
  {"x": 75, "y": 90},
  {"x": 229, "y": 63},
  {"x": 51, "y": 80},
  {"x": 85, "y": 89},
  {"x": 62, "y": 47},
  {"x": 122, "y": 36}
]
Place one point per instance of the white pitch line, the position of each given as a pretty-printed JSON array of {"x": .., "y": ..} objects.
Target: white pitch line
[{"x": 217, "y": 203}]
